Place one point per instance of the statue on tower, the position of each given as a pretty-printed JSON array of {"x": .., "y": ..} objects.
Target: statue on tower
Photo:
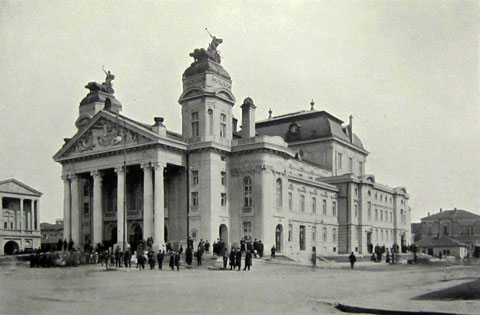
[
  {"x": 108, "y": 81},
  {"x": 211, "y": 52}
]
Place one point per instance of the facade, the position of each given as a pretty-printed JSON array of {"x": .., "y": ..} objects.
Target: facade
[
  {"x": 20, "y": 215},
  {"x": 459, "y": 225},
  {"x": 294, "y": 181},
  {"x": 442, "y": 246},
  {"x": 51, "y": 234}
]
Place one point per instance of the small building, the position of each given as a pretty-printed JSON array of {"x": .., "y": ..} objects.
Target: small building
[
  {"x": 441, "y": 246},
  {"x": 20, "y": 216},
  {"x": 51, "y": 234},
  {"x": 459, "y": 225}
]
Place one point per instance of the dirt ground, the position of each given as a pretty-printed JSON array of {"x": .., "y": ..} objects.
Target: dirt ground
[{"x": 266, "y": 289}]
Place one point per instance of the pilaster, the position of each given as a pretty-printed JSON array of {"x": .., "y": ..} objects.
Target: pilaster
[
  {"x": 159, "y": 211},
  {"x": 75, "y": 210},
  {"x": 67, "y": 227}
]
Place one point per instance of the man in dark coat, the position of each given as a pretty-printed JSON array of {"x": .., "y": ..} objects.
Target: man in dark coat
[
  {"x": 151, "y": 259},
  {"x": 128, "y": 258},
  {"x": 160, "y": 256},
  {"x": 65, "y": 244},
  {"x": 207, "y": 246},
  {"x": 70, "y": 245},
  {"x": 59, "y": 244},
  {"x": 188, "y": 256},
  {"x": 272, "y": 251},
  {"x": 232, "y": 259},
  {"x": 199, "y": 257},
  {"x": 255, "y": 248},
  {"x": 248, "y": 261},
  {"x": 118, "y": 257},
  {"x": 171, "y": 263},
  {"x": 238, "y": 259},
  {"x": 190, "y": 242},
  {"x": 242, "y": 245},
  {"x": 260, "y": 248},
  {"x": 352, "y": 259},
  {"x": 177, "y": 261}
]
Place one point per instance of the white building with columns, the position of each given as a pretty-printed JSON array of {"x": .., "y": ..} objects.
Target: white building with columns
[
  {"x": 293, "y": 181},
  {"x": 20, "y": 217}
]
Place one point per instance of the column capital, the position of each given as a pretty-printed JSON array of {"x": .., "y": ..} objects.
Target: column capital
[
  {"x": 65, "y": 177},
  {"x": 146, "y": 166},
  {"x": 119, "y": 169},
  {"x": 96, "y": 173},
  {"x": 157, "y": 165},
  {"x": 73, "y": 176}
]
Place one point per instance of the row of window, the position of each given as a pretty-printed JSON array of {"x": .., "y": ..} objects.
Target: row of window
[
  {"x": 196, "y": 129},
  {"x": 223, "y": 178},
  {"x": 465, "y": 230},
  {"x": 383, "y": 235},
  {"x": 302, "y": 238}
]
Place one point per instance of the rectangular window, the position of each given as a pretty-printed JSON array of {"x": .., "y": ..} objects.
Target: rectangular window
[
  {"x": 356, "y": 210},
  {"x": 324, "y": 207},
  {"x": 429, "y": 230},
  {"x": 302, "y": 237},
  {"x": 314, "y": 205},
  {"x": 5, "y": 225},
  {"x": 223, "y": 198},
  {"x": 247, "y": 230},
  {"x": 302, "y": 203},
  {"x": 325, "y": 234},
  {"x": 334, "y": 208},
  {"x": 350, "y": 165},
  {"x": 339, "y": 161},
  {"x": 85, "y": 189},
  {"x": 195, "y": 129},
  {"x": 381, "y": 215},
  {"x": 223, "y": 125},
  {"x": 290, "y": 230},
  {"x": 445, "y": 230},
  {"x": 334, "y": 235},
  {"x": 195, "y": 177},
  {"x": 224, "y": 178},
  {"x": 314, "y": 235},
  {"x": 194, "y": 199},
  {"x": 290, "y": 201},
  {"x": 369, "y": 210},
  {"x": 86, "y": 208},
  {"x": 360, "y": 168},
  {"x": 376, "y": 214}
]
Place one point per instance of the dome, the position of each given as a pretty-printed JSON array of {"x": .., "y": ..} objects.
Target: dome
[{"x": 203, "y": 66}]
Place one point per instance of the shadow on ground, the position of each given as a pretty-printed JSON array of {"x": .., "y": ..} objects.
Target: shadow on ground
[{"x": 464, "y": 291}]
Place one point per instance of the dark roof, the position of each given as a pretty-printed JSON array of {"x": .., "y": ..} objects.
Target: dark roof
[
  {"x": 441, "y": 241},
  {"x": 312, "y": 125},
  {"x": 456, "y": 214}
]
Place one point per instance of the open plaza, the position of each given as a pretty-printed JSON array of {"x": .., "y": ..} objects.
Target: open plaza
[{"x": 270, "y": 287}]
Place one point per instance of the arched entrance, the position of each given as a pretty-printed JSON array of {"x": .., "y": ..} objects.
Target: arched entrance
[
  {"x": 11, "y": 247},
  {"x": 223, "y": 234},
  {"x": 135, "y": 236},
  {"x": 278, "y": 238}
]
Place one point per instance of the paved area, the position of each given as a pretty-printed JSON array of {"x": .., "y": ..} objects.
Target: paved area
[{"x": 266, "y": 289}]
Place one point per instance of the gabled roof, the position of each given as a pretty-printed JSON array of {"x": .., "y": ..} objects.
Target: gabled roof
[
  {"x": 441, "y": 241},
  {"x": 100, "y": 133},
  {"x": 14, "y": 186},
  {"x": 456, "y": 214}
]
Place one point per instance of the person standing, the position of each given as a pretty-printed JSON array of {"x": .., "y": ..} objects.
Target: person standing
[
  {"x": 128, "y": 258},
  {"x": 207, "y": 247},
  {"x": 151, "y": 259},
  {"x": 352, "y": 259},
  {"x": 242, "y": 245},
  {"x": 248, "y": 261},
  {"x": 199, "y": 257},
  {"x": 232, "y": 259},
  {"x": 260, "y": 248},
  {"x": 238, "y": 259},
  {"x": 225, "y": 260},
  {"x": 188, "y": 256},
  {"x": 314, "y": 256},
  {"x": 272, "y": 251},
  {"x": 172, "y": 261},
  {"x": 160, "y": 258},
  {"x": 177, "y": 261}
]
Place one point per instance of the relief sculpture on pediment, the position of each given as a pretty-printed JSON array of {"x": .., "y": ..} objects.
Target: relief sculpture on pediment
[{"x": 104, "y": 134}]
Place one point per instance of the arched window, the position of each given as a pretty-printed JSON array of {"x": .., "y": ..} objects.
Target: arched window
[
  {"x": 247, "y": 184},
  {"x": 279, "y": 193}
]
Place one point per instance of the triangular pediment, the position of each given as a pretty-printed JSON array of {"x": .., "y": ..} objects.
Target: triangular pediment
[
  {"x": 106, "y": 132},
  {"x": 14, "y": 186}
]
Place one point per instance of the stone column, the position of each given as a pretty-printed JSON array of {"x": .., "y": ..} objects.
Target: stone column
[
  {"x": 75, "y": 211},
  {"x": 159, "y": 215},
  {"x": 97, "y": 218},
  {"x": 37, "y": 215},
  {"x": 20, "y": 220},
  {"x": 67, "y": 227},
  {"x": 147, "y": 201},
  {"x": 121, "y": 207},
  {"x": 1, "y": 214}
]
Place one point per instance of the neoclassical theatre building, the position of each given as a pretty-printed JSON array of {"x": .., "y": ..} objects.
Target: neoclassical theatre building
[{"x": 294, "y": 181}]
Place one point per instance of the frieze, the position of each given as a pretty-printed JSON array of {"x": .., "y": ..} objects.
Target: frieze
[{"x": 222, "y": 83}]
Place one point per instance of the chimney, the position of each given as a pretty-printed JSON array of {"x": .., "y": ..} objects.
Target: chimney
[
  {"x": 234, "y": 124},
  {"x": 159, "y": 127},
  {"x": 248, "y": 118},
  {"x": 428, "y": 214},
  {"x": 350, "y": 127},
  {"x": 440, "y": 210}
]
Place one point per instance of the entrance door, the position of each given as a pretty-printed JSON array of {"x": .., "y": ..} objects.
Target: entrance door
[
  {"x": 223, "y": 234},
  {"x": 369, "y": 242},
  {"x": 113, "y": 235},
  {"x": 11, "y": 247},
  {"x": 278, "y": 238},
  {"x": 403, "y": 244}
]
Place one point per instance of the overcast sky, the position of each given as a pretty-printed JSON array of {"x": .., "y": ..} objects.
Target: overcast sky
[{"x": 408, "y": 71}]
